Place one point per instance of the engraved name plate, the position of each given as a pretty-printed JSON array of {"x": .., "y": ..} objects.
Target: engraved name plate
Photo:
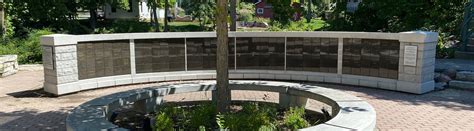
[{"x": 410, "y": 56}]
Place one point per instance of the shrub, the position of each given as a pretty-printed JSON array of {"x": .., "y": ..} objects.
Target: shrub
[
  {"x": 126, "y": 26},
  {"x": 301, "y": 25},
  {"x": 246, "y": 11},
  {"x": 251, "y": 117},
  {"x": 294, "y": 118},
  {"x": 445, "y": 47},
  {"x": 202, "y": 115},
  {"x": 163, "y": 122},
  {"x": 28, "y": 49}
]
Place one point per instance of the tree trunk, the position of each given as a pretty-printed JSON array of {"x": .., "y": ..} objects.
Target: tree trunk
[
  {"x": 93, "y": 18},
  {"x": 2, "y": 20},
  {"x": 309, "y": 15},
  {"x": 167, "y": 6},
  {"x": 233, "y": 15},
  {"x": 155, "y": 19},
  {"x": 222, "y": 89}
]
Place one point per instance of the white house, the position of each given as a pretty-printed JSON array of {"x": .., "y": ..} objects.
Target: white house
[
  {"x": 138, "y": 10},
  {"x": 352, "y": 5}
]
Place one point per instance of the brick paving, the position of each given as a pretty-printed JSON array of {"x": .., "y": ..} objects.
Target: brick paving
[{"x": 23, "y": 106}]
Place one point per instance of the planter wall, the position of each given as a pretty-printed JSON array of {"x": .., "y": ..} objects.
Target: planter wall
[{"x": 8, "y": 65}]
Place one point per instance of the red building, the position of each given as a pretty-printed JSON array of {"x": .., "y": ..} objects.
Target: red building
[{"x": 264, "y": 9}]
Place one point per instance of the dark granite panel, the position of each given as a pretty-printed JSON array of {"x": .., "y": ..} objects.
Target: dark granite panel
[
  {"x": 103, "y": 58},
  {"x": 371, "y": 57},
  {"x": 294, "y": 54},
  {"x": 159, "y": 55},
  {"x": 201, "y": 53},
  {"x": 260, "y": 53},
  {"x": 347, "y": 57},
  {"x": 312, "y": 54}
]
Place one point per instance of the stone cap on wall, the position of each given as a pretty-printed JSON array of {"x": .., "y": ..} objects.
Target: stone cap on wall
[
  {"x": 64, "y": 39},
  {"x": 5, "y": 58},
  {"x": 419, "y": 37}
]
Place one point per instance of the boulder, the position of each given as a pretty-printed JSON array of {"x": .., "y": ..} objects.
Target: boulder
[
  {"x": 443, "y": 78},
  {"x": 441, "y": 85},
  {"x": 451, "y": 73}
]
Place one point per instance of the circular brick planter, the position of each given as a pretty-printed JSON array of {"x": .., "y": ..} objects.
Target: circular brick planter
[{"x": 349, "y": 112}]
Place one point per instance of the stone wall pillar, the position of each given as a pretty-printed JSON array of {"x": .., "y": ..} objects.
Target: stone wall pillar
[
  {"x": 417, "y": 62},
  {"x": 60, "y": 63},
  {"x": 286, "y": 101}
]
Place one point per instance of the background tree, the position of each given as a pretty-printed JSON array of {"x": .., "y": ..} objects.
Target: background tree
[
  {"x": 2, "y": 19},
  {"x": 222, "y": 91},
  {"x": 154, "y": 4},
  {"x": 167, "y": 12},
  {"x": 203, "y": 10},
  {"x": 282, "y": 11},
  {"x": 36, "y": 14},
  {"x": 93, "y": 5},
  {"x": 233, "y": 15}
]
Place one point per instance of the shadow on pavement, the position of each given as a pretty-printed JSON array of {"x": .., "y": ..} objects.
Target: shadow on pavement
[
  {"x": 36, "y": 93},
  {"x": 33, "y": 120},
  {"x": 451, "y": 99}
]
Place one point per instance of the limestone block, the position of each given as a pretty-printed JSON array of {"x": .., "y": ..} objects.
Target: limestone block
[
  {"x": 8, "y": 65},
  {"x": 462, "y": 84},
  {"x": 465, "y": 75},
  {"x": 65, "y": 49}
]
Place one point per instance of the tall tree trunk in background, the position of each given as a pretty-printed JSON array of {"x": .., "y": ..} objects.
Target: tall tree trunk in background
[
  {"x": 233, "y": 15},
  {"x": 2, "y": 19},
  {"x": 93, "y": 18},
  {"x": 155, "y": 19},
  {"x": 309, "y": 14},
  {"x": 222, "y": 89},
  {"x": 167, "y": 6}
]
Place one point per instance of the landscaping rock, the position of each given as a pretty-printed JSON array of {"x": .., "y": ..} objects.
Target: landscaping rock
[
  {"x": 465, "y": 76},
  {"x": 450, "y": 72},
  {"x": 441, "y": 85},
  {"x": 8, "y": 65},
  {"x": 462, "y": 84},
  {"x": 442, "y": 78}
]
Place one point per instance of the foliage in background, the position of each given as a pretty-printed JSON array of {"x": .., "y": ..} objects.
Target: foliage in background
[
  {"x": 294, "y": 118},
  {"x": 442, "y": 16},
  {"x": 318, "y": 7},
  {"x": 444, "y": 48},
  {"x": 246, "y": 11},
  {"x": 203, "y": 11},
  {"x": 301, "y": 25},
  {"x": 282, "y": 11},
  {"x": 125, "y": 26},
  {"x": 28, "y": 49},
  {"x": 37, "y": 14}
]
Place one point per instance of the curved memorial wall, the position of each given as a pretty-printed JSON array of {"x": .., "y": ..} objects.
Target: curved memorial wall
[{"x": 393, "y": 61}]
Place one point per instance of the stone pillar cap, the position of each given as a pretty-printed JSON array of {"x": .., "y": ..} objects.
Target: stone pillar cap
[{"x": 419, "y": 36}]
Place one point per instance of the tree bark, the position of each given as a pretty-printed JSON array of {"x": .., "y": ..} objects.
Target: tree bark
[
  {"x": 222, "y": 89},
  {"x": 309, "y": 15},
  {"x": 155, "y": 19},
  {"x": 233, "y": 15},
  {"x": 2, "y": 19},
  {"x": 167, "y": 6},
  {"x": 93, "y": 17}
]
